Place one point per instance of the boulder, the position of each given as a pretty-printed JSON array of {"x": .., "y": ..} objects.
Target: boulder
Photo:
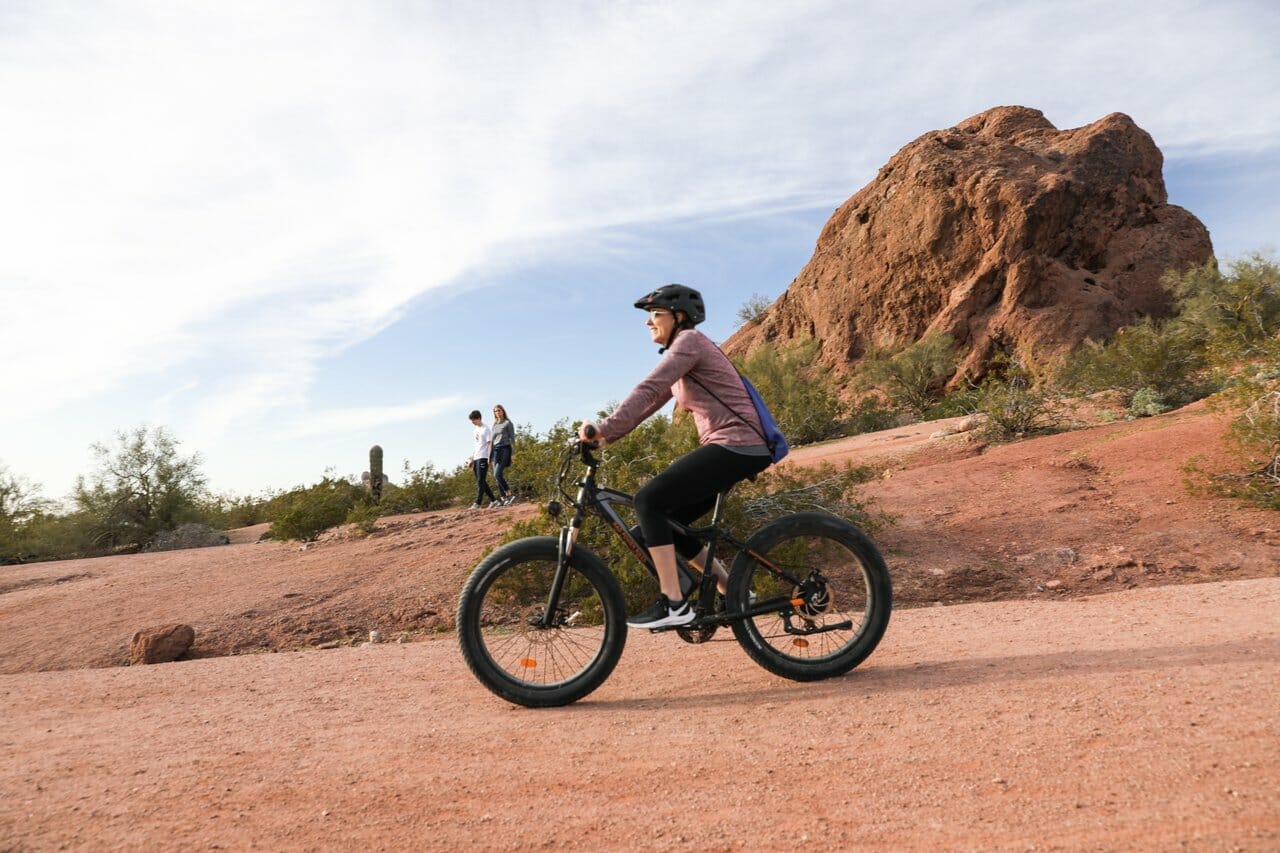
[
  {"x": 187, "y": 536},
  {"x": 161, "y": 644},
  {"x": 1003, "y": 232}
]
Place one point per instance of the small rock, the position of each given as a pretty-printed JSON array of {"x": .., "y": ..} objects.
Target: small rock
[
  {"x": 1053, "y": 584},
  {"x": 161, "y": 644},
  {"x": 375, "y": 636}
]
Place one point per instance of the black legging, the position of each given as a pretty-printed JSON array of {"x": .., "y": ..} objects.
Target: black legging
[{"x": 687, "y": 490}]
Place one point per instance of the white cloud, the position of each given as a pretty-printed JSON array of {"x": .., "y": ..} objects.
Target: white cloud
[
  {"x": 365, "y": 419},
  {"x": 279, "y": 181}
]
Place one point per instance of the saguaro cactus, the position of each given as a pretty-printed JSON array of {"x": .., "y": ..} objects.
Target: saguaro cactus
[{"x": 375, "y": 472}]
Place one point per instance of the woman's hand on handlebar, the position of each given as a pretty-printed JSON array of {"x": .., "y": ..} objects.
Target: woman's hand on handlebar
[{"x": 591, "y": 436}]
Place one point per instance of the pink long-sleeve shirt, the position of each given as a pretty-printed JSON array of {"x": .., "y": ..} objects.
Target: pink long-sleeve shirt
[{"x": 692, "y": 354}]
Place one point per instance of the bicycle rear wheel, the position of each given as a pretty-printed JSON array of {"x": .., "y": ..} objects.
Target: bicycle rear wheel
[
  {"x": 829, "y": 622},
  {"x": 503, "y": 638}
]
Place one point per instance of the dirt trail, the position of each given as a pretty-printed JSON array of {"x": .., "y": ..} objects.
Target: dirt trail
[{"x": 1136, "y": 720}]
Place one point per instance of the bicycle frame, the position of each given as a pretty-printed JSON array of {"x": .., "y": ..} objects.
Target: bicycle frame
[{"x": 592, "y": 497}]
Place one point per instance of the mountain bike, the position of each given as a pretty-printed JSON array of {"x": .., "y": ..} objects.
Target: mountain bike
[{"x": 542, "y": 620}]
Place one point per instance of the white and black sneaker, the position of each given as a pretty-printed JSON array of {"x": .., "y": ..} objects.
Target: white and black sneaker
[{"x": 663, "y": 614}]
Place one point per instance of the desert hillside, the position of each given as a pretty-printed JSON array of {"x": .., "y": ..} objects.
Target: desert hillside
[{"x": 1093, "y": 510}]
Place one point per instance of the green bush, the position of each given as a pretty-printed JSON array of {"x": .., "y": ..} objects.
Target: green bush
[
  {"x": 1231, "y": 315},
  {"x": 1168, "y": 359},
  {"x": 913, "y": 377},
  {"x": 1146, "y": 402},
  {"x": 418, "y": 490},
  {"x": 141, "y": 487},
  {"x": 227, "y": 512},
  {"x": 48, "y": 536},
  {"x": 20, "y": 501},
  {"x": 797, "y": 391},
  {"x": 1015, "y": 405},
  {"x": 363, "y": 516},
  {"x": 870, "y": 414},
  {"x": 305, "y": 513},
  {"x": 750, "y": 310},
  {"x": 1254, "y": 394}
]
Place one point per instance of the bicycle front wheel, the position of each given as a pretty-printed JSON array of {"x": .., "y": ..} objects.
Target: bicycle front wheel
[
  {"x": 831, "y": 610},
  {"x": 520, "y": 652}
]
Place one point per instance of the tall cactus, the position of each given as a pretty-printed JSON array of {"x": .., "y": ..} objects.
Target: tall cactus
[{"x": 375, "y": 472}]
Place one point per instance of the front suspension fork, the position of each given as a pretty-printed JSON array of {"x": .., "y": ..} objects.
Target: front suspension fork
[{"x": 564, "y": 550}]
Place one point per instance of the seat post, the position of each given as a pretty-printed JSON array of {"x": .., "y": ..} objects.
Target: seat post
[{"x": 717, "y": 516}]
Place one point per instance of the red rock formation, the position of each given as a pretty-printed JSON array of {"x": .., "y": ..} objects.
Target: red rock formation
[{"x": 1002, "y": 231}]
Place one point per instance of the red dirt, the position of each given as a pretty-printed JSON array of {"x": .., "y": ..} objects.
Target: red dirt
[{"x": 1087, "y": 696}]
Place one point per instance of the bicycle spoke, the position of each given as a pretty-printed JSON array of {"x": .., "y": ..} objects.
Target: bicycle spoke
[{"x": 819, "y": 572}]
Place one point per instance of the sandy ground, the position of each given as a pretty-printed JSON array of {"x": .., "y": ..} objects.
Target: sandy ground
[
  {"x": 1102, "y": 677},
  {"x": 1137, "y": 720}
]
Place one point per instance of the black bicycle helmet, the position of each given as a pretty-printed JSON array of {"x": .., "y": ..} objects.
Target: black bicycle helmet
[{"x": 676, "y": 297}]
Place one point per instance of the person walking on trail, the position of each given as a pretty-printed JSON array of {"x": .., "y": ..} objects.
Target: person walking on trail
[
  {"x": 504, "y": 438},
  {"x": 480, "y": 459},
  {"x": 703, "y": 381}
]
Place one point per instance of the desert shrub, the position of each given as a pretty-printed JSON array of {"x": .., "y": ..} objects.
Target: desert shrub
[
  {"x": 1146, "y": 402},
  {"x": 141, "y": 487},
  {"x": 797, "y": 390},
  {"x": 227, "y": 512},
  {"x": 782, "y": 491},
  {"x": 418, "y": 489},
  {"x": 20, "y": 501},
  {"x": 870, "y": 414},
  {"x": 363, "y": 516},
  {"x": 1231, "y": 314},
  {"x": 305, "y": 513},
  {"x": 912, "y": 377},
  {"x": 755, "y": 305},
  {"x": 1014, "y": 403},
  {"x": 1254, "y": 394},
  {"x": 1238, "y": 315},
  {"x": 51, "y": 536},
  {"x": 1166, "y": 358}
]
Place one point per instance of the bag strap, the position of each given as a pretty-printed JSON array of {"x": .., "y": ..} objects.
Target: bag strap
[{"x": 757, "y": 430}]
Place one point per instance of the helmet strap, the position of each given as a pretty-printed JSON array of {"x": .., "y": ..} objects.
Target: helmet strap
[{"x": 675, "y": 330}]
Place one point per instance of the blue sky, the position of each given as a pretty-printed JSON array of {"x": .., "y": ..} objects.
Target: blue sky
[{"x": 290, "y": 231}]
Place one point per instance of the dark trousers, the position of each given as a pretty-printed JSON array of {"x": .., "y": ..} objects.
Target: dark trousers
[
  {"x": 481, "y": 467},
  {"x": 501, "y": 462},
  {"x": 687, "y": 491}
]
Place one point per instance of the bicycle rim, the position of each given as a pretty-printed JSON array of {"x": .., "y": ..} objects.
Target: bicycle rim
[
  {"x": 518, "y": 653},
  {"x": 845, "y": 590}
]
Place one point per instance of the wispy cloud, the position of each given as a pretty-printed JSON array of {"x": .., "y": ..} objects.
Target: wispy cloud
[
  {"x": 279, "y": 181},
  {"x": 365, "y": 419}
]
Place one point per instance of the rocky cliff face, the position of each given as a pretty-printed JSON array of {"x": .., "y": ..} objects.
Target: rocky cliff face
[{"x": 1002, "y": 231}]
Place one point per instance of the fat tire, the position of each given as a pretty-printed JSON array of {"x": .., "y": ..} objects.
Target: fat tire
[
  {"x": 475, "y": 652},
  {"x": 879, "y": 591}
]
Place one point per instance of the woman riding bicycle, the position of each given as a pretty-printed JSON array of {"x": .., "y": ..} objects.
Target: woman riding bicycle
[{"x": 705, "y": 383}]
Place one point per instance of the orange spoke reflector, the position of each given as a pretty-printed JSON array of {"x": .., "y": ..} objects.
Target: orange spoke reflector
[
  {"x": 797, "y": 602},
  {"x": 800, "y": 643},
  {"x": 530, "y": 663}
]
